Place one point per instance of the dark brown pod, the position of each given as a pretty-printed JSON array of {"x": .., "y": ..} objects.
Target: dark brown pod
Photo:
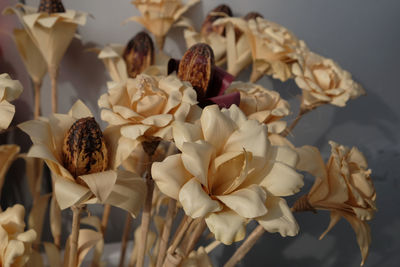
[
  {"x": 51, "y": 6},
  {"x": 139, "y": 54},
  {"x": 197, "y": 67},
  {"x": 84, "y": 150},
  {"x": 253, "y": 15},
  {"x": 208, "y": 27}
]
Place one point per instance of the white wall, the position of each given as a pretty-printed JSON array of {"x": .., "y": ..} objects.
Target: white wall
[{"x": 361, "y": 35}]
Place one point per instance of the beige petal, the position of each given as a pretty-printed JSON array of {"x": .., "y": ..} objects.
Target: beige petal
[
  {"x": 100, "y": 183},
  {"x": 69, "y": 193},
  {"x": 8, "y": 153},
  {"x": 195, "y": 201},
  {"x": 335, "y": 217},
  {"x": 170, "y": 175},
  {"x": 7, "y": 112},
  {"x": 134, "y": 131},
  {"x": 79, "y": 110},
  {"x": 185, "y": 132},
  {"x": 196, "y": 158},
  {"x": 9, "y": 89},
  {"x": 227, "y": 226},
  {"x": 14, "y": 250},
  {"x": 160, "y": 120},
  {"x": 285, "y": 154},
  {"x": 213, "y": 121},
  {"x": 310, "y": 160},
  {"x": 247, "y": 202},
  {"x": 55, "y": 218},
  {"x": 279, "y": 218}
]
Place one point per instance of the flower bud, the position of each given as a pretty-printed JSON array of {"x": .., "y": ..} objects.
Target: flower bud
[
  {"x": 51, "y": 6},
  {"x": 84, "y": 150},
  {"x": 197, "y": 66},
  {"x": 208, "y": 27},
  {"x": 139, "y": 54}
]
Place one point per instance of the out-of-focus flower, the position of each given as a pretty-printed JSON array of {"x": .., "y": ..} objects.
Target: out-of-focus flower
[
  {"x": 229, "y": 173},
  {"x": 15, "y": 244},
  {"x": 158, "y": 16},
  {"x": 273, "y": 47},
  {"x": 50, "y": 32},
  {"x": 343, "y": 186},
  {"x": 9, "y": 91},
  {"x": 323, "y": 81},
  {"x": 145, "y": 107},
  {"x": 8, "y": 153},
  {"x": 261, "y": 104},
  {"x": 117, "y": 188}
]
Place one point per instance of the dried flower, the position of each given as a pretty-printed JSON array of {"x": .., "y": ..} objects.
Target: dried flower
[
  {"x": 145, "y": 107},
  {"x": 218, "y": 12},
  {"x": 84, "y": 150},
  {"x": 324, "y": 81},
  {"x": 9, "y": 91},
  {"x": 158, "y": 16},
  {"x": 229, "y": 173},
  {"x": 108, "y": 186},
  {"x": 16, "y": 245},
  {"x": 261, "y": 104},
  {"x": 8, "y": 153},
  {"x": 138, "y": 54},
  {"x": 343, "y": 186}
]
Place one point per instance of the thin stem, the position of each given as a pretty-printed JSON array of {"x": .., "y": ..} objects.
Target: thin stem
[
  {"x": 212, "y": 246},
  {"x": 146, "y": 216},
  {"x": 289, "y": 129},
  {"x": 195, "y": 236},
  {"x": 160, "y": 40},
  {"x": 37, "y": 86},
  {"x": 53, "y": 71},
  {"x": 73, "y": 256},
  {"x": 125, "y": 235},
  {"x": 104, "y": 219},
  {"x": 166, "y": 232},
  {"x": 245, "y": 247},
  {"x": 179, "y": 234}
]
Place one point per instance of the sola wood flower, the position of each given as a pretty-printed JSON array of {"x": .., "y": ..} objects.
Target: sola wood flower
[
  {"x": 145, "y": 107},
  {"x": 9, "y": 91},
  {"x": 72, "y": 186},
  {"x": 343, "y": 186},
  {"x": 15, "y": 244},
  {"x": 274, "y": 48},
  {"x": 228, "y": 172},
  {"x": 158, "y": 16},
  {"x": 323, "y": 81},
  {"x": 261, "y": 104}
]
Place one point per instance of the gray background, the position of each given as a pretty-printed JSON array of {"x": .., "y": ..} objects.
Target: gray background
[{"x": 361, "y": 35}]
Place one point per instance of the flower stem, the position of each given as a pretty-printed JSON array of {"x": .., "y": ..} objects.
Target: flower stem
[
  {"x": 194, "y": 236},
  {"x": 289, "y": 129},
  {"x": 171, "y": 212},
  {"x": 53, "y": 71},
  {"x": 73, "y": 256},
  {"x": 160, "y": 40},
  {"x": 245, "y": 247},
  {"x": 125, "y": 235},
  {"x": 37, "y": 86},
  {"x": 104, "y": 219},
  {"x": 146, "y": 216}
]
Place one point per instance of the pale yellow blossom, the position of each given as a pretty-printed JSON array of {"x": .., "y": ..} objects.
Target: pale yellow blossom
[{"x": 9, "y": 91}]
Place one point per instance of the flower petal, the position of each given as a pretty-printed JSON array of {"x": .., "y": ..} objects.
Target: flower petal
[
  {"x": 285, "y": 155},
  {"x": 196, "y": 159},
  {"x": 69, "y": 193},
  {"x": 195, "y": 202},
  {"x": 282, "y": 180},
  {"x": 247, "y": 202},
  {"x": 227, "y": 226},
  {"x": 185, "y": 132},
  {"x": 279, "y": 218},
  {"x": 79, "y": 110},
  {"x": 100, "y": 183},
  {"x": 170, "y": 175}
]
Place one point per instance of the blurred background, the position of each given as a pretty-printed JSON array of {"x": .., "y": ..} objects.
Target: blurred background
[{"x": 363, "y": 36}]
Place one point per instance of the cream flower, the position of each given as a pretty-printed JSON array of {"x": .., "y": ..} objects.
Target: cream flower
[
  {"x": 343, "y": 186},
  {"x": 228, "y": 172},
  {"x": 111, "y": 55},
  {"x": 273, "y": 47},
  {"x": 145, "y": 107},
  {"x": 158, "y": 16},
  {"x": 15, "y": 244},
  {"x": 323, "y": 81},
  {"x": 51, "y": 33},
  {"x": 9, "y": 91},
  {"x": 261, "y": 104},
  {"x": 8, "y": 153},
  {"x": 117, "y": 188}
]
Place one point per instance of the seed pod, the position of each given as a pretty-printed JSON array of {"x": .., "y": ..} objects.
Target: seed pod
[
  {"x": 84, "y": 150},
  {"x": 197, "y": 67},
  {"x": 139, "y": 54},
  {"x": 253, "y": 15},
  {"x": 208, "y": 27},
  {"x": 51, "y": 6}
]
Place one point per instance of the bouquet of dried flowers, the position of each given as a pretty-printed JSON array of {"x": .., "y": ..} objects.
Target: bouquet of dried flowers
[{"x": 185, "y": 144}]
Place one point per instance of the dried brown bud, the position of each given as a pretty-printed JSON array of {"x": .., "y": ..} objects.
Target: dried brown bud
[
  {"x": 208, "y": 27},
  {"x": 197, "y": 66},
  {"x": 139, "y": 54},
  {"x": 253, "y": 15},
  {"x": 84, "y": 150},
  {"x": 51, "y": 6}
]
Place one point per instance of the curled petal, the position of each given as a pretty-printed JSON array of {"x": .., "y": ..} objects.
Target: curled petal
[{"x": 69, "y": 193}]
